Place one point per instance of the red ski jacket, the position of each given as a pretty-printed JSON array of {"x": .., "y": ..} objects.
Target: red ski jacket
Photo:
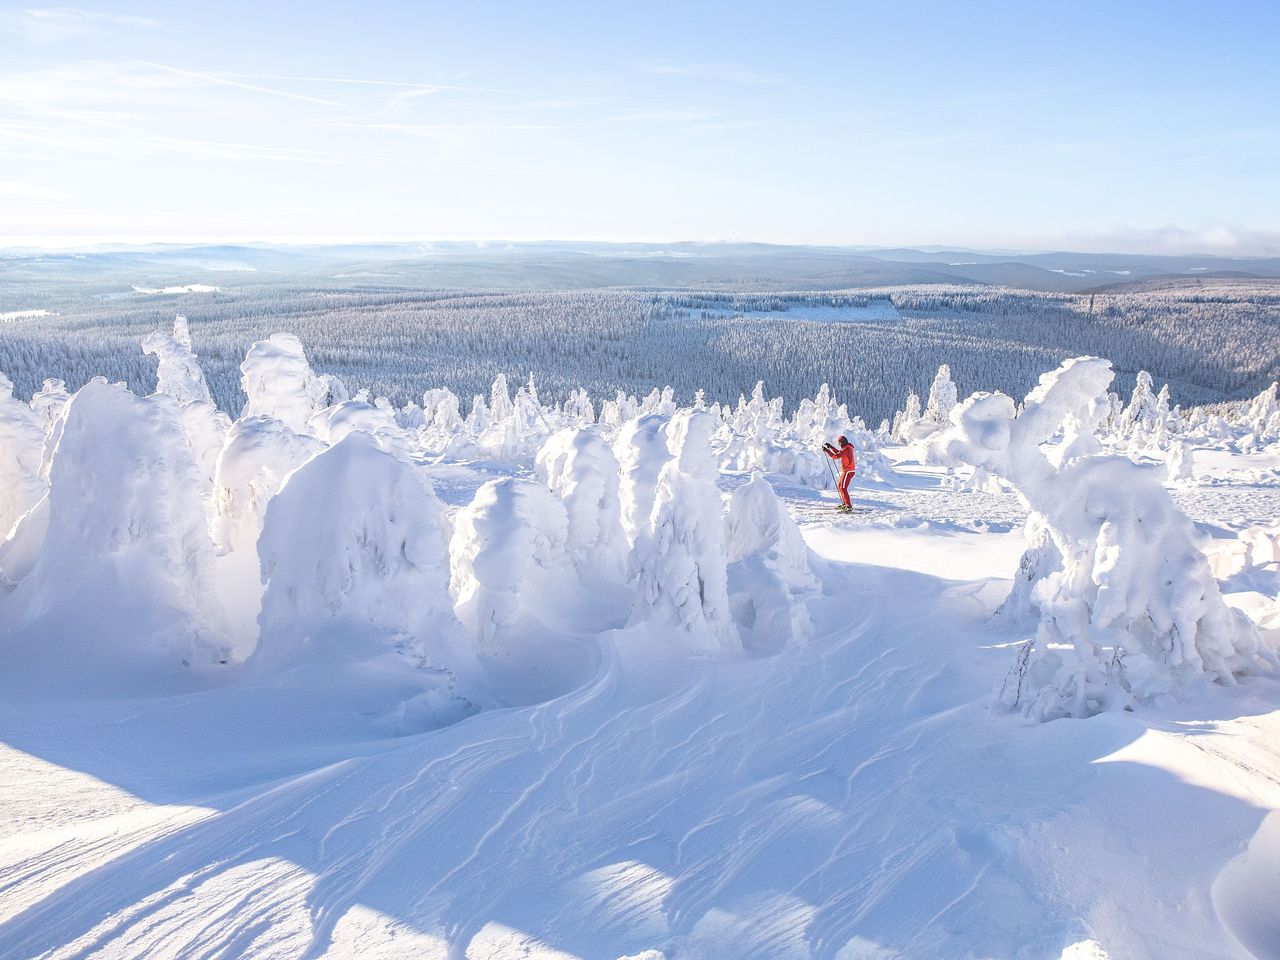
[{"x": 846, "y": 456}]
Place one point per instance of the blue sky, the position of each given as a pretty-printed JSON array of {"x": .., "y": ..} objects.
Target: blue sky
[{"x": 1122, "y": 126}]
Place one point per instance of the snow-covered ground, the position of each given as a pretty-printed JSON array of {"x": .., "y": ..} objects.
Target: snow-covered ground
[
  {"x": 878, "y": 311},
  {"x": 855, "y": 798},
  {"x": 648, "y": 775},
  {"x": 182, "y": 288}
]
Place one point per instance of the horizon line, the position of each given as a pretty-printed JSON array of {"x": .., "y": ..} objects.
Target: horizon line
[{"x": 77, "y": 244}]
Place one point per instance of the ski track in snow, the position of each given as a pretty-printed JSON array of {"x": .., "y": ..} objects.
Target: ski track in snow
[{"x": 855, "y": 798}]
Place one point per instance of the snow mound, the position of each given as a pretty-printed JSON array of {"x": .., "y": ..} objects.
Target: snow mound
[
  {"x": 770, "y": 574},
  {"x": 333, "y": 423},
  {"x": 115, "y": 568},
  {"x": 1244, "y": 893},
  {"x": 354, "y": 554}
]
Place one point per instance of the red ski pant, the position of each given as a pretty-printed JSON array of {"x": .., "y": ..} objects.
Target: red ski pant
[{"x": 846, "y": 478}]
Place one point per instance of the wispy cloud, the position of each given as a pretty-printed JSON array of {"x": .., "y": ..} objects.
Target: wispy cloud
[
  {"x": 710, "y": 71},
  {"x": 405, "y": 98},
  {"x": 90, "y": 86},
  {"x": 664, "y": 116},
  {"x": 29, "y": 191},
  {"x": 228, "y": 82},
  {"x": 1221, "y": 238},
  {"x": 573, "y": 98},
  {"x": 60, "y": 23}
]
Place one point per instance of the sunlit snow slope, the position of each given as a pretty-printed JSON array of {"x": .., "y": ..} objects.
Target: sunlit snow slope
[{"x": 852, "y": 798}]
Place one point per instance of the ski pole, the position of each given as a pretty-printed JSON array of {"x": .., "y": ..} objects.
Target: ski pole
[{"x": 835, "y": 485}]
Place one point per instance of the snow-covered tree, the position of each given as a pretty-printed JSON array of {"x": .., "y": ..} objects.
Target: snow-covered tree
[
  {"x": 479, "y": 419},
  {"x": 580, "y": 468},
  {"x": 1181, "y": 463},
  {"x": 112, "y": 575},
  {"x": 905, "y": 421},
  {"x": 48, "y": 401},
  {"x": 258, "y": 454},
  {"x": 354, "y": 555},
  {"x": 642, "y": 451},
  {"x": 279, "y": 383},
  {"x": 500, "y": 398},
  {"x": 579, "y": 410},
  {"x": 21, "y": 450},
  {"x": 1141, "y": 417},
  {"x": 681, "y": 559},
  {"x": 1040, "y": 559},
  {"x": 505, "y": 542},
  {"x": 333, "y": 423},
  {"x": 942, "y": 398},
  {"x": 179, "y": 375},
  {"x": 1133, "y": 610}
]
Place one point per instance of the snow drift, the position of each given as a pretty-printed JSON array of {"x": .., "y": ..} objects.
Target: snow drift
[{"x": 770, "y": 573}]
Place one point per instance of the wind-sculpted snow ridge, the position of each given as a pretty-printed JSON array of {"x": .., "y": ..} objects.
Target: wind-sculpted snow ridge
[
  {"x": 113, "y": 571},
  {"x": 1130, "y": 610},
  {"x": 354, "y": 553}
]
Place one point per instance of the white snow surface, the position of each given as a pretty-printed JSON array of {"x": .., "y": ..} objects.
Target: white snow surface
[
  {"x": 408, "y": 684},
  {"x": 181, "y": 288}
]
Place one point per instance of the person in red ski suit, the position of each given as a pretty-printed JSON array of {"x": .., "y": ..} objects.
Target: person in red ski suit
[{"x": 848, "y": 466}]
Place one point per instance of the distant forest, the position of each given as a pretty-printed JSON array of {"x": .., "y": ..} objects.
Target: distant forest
[{"x": 1210, "y": 343}]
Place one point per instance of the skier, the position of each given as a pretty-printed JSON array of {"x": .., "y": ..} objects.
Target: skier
[{"x": 848, "y": 467}]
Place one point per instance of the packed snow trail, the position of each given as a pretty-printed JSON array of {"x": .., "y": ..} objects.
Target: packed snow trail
[{"x": 853, "y": 798}]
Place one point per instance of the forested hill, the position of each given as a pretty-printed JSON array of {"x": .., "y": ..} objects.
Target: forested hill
[{"x": 1210, "y": 341}]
